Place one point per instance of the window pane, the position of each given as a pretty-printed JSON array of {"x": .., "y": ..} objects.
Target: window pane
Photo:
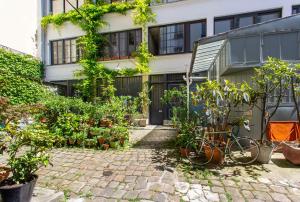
[
  {"x": 114, "y": 41},
  {"x": 131, "y": 42},
  {"x": 173, "y": 38},
  {"x": 73, "y": 51},
  {"x": 197, "y": 31},
  {"x": 267, "y": 17},
  {"x": 223, "y": 25},
  {"x": 154, "y": 40},
  {"x": 237, "y": 50},
  {"x": 289, "y": 46},
  {"x": 57, "y": 6},
  {"x": 252, "y": 48},
  {"x": 60, "y": 52},
  {"x": 245, "y": 21},
  {"x": 67, "y": 51},
  {"x": 271, "y": 47},
  {"x": 106, "y": 50},
  {"x": 54, "y": 53},
  {"x": 123, "y": 44}
]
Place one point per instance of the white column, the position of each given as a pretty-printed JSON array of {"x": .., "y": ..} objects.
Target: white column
[
  {"x": 287, "y": 8},
  {"x": 210, "y": 25}
]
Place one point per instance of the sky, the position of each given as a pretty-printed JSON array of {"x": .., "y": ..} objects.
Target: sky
[{"x": 18, "y": 24}]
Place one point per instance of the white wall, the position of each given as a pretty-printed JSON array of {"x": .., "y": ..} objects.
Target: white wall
[
  {"x": 18, "y": 21},
  {"x": 182, "y": 11}
]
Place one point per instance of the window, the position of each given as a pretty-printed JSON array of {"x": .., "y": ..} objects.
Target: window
[
  {"x": 225, "y": 24},
  {"x": 121, "y": 45},
  {"x": 296, "y": 9},
  {"x": 64, "y": 52},
  {"x": 177, "y": 38},
  {"x": 62, "y": 6}
]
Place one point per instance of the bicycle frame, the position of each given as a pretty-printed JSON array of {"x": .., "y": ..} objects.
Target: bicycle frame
[{"x": 229, "y": 134}]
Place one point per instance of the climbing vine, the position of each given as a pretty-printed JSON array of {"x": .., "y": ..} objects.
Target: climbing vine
[{"x": 89, "y": 18}]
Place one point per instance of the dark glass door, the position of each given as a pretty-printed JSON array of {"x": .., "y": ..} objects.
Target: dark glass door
[{"x": 156, "y": 107}]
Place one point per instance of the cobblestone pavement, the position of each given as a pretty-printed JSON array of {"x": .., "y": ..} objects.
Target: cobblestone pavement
[{"x": 151, "y": 172}]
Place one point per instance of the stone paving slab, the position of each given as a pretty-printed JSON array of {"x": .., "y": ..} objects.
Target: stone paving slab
[{"x": 151, "y": 171}]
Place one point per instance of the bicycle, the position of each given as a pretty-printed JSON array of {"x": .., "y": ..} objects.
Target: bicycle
[{"x": 239, "y": 149}]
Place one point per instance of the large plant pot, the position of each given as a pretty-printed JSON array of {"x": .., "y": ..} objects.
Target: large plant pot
[
  {"x": 218, "y": 155},
  {"x": 291, "y": 152},
  {"x": 184, "y": 152},
  {"x": 265, "y": 154},
  {"x": 4, "y": 173},
  {"x": 18, "y": 192}
]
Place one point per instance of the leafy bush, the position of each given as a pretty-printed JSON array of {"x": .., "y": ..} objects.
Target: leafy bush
[
  {"x": 26, "y": 147},
  {"x": 20, "y": 78}
]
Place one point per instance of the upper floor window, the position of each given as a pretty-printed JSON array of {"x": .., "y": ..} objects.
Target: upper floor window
[
  {"x": 64, "y": 51},
  {"x": 63, "y": 6},
  {"x": 225, "y": 24},
  {"x": 121, "y": 45},
  {"x": 296, "y": 9},
  {"x": 177, "y": 38}
]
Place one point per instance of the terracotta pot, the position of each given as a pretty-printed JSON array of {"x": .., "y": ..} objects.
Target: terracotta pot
[
  {"x": 184, "y": 152},
  {"x": 218, "y": 156},
  {"x": 291, "y": 152},
  {"x": 4, "y": 173},
  {"x": 105, "y": 146},
  {"x": 122, "y": 141},
  {"x": 43, "y": 120},
  {"x": 105, "y": 123},
  {"x": 101, "y": 140},
  {"x": 71, "y": 141}
]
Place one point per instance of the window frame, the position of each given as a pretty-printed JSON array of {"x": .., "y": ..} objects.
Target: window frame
[
  {"x": 235, "y": 18},
  {"x": 119, "y": 57},
  {"x": 64, "y": 5},
  {"x": 186, "y": 35},
  {"x": 296, "y": 7},
  {"x": 63, "y": 51}
]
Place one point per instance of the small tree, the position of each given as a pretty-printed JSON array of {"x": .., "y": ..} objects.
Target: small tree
[
  {"x": 219, "y": 100},
  {"x": 271, "y": 80}
]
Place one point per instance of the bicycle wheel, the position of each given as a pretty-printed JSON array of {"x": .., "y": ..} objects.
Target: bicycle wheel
[
  {"x": 244, "y": 150},
  {"x": 200, "y": 152}
]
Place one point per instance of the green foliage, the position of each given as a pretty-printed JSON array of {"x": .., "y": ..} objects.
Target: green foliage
[
  {"x": 274, "y": 77},
  {"x": 89, "y": 18},
  {"x": 20, "y": 78},
  {"x": 219, "y": 99},
  {"x": 22, "y": 65},
  {"x": 27, "y": 147}
]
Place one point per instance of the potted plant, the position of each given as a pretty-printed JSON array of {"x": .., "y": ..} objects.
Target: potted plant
[
  {"x": 219, "y": 99},
  {"x": 269, "y": 80},
  {"x": 90, "y": 143},
  {"x": 103, "y": 135},
  {"x": 120, "y": 133},
  {"x": 27, "y": 151},
  {"x": 181, "y": 142},
  {"x": 105, "y": 146},
  {"x": 80, "y": 137}
]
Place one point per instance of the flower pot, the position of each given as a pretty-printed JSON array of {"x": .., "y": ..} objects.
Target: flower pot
[
  {"x": 218, "y": 155},
  {"x": 291, "y": 152},
  {"x": 184, "y": 152},
  {"x": 43, "y": 120},
  {"x": 105, "y": 146},
  {"x": 105, "y": 123},
  {"x": 122, "y": 141},
  {"x": 101, "y": 140},
  {"x": 71, "y": 141},
  {"x": 4, "y": 173},
  {"x": 265, "y": 154},
  {"x": 18, "y": 192},
  {"x": 114, "y": 145}
]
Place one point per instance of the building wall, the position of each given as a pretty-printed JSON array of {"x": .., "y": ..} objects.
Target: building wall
[{"x": 183, "y": 11}]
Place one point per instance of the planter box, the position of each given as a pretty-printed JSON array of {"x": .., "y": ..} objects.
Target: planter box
[{"x": 291, "y": 152}]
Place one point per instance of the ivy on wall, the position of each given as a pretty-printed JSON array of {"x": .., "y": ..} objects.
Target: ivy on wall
[
  {"x": 89, "y": 18},
  {"x": 20, "y": 78}
]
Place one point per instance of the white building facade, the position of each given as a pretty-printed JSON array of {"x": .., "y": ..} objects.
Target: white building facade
[{"x": 178, "y": 24}]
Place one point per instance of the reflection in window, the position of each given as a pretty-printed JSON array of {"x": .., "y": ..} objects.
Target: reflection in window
[
  {"x": 64, "y": 52},
  {"x": 121, "y": 45},
  {"x": 223, "y": 25},
  {"x": 228, "y": 23},
  {"x": 296, "y": 9},
  {"x": 178, "y": 38}
]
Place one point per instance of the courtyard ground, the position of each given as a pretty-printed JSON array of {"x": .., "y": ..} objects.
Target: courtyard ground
[{"x": 152, "y": 171}]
